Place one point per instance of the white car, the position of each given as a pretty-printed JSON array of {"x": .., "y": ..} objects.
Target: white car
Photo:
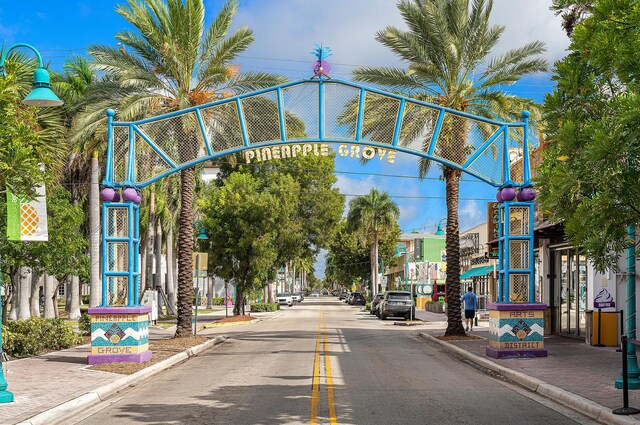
[
  {"x": 297, "y": 297},
  {"x": 284, "y": 298},
  {"x": 315, "y": 293}
]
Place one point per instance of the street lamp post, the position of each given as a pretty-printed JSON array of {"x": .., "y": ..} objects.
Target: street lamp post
[
  {"x": 41, "y": 95},
  {"x": 440, "y": 232},
  {"x": 198, "y": 226}
]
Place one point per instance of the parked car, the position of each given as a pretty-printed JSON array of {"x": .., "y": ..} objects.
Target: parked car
[
  {"x": 297, "y": 297},
  {"x": 396, "y": 304},
  {"x": 284, "y": 298},
  {"x": 343, "y": 296},
  {"x": 375, "y": 302},
  {"x": 314, "y": 293},
  {"x": 357, "y": 298},
  {"x": 325, "y": 292}
]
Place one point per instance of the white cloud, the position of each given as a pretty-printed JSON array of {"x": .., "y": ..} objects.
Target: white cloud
[
  {"x": 470, "y": 214},
  {"x": 288, "y": 29}
]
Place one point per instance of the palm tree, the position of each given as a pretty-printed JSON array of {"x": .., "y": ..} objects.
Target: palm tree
[
  {"x": 73, "y": 86},
  {"x": 371, "y": 217},
  {"x": 446, "y": 49},
  {"x": 171, "y": 63}
]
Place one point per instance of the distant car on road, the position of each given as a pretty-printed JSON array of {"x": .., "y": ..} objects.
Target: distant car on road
[
  {"x": 343, "y": 296},
  {"x": 284, "y": 298},
  {"x": 396, "y": 304},
  {"x": 357, "y": 298},
  {"x": 315, "y": 293},
  {"x": 325, "y": 292},
  {"x": 297, "y": 297},
  {"x": 375, "y": 303}
]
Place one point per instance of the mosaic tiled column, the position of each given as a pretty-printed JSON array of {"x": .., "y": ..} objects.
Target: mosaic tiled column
[
  {"x": 516, "y": 321},
  {"x": 119, "y": 334},
  {"x": 516, "y": 330}
]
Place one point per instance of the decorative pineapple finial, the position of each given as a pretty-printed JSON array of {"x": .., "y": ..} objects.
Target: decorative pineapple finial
[{"x": 321, "y": 67}]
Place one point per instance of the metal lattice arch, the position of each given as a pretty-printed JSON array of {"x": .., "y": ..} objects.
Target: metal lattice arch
[
  {"x": 293, "y": 116},
  {"x": 316, "y": 110}
]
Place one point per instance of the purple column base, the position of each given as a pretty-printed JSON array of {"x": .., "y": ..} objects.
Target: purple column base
[
  {"x": 515, "y": 354},
  {"x": 117, "y": 358}
]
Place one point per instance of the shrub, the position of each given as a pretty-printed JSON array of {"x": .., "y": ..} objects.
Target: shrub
[
  {"x": 264, "y": 307},
  {"x": 217, "y": 301},
  {"x": 84, "y": 324},
  {"x": 367, "y": 306},
  {"x": 36, "y": 335}
]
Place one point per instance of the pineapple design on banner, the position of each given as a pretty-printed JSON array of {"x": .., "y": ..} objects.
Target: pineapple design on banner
[{"x": 27, "y": 221}]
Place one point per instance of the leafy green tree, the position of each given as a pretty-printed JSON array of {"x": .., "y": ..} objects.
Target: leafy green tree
[
  {"x": 242, "y": 218},
  {"x": 170, "y": 63},
  {"x": 590, "y": 169},
  {"x": 372, "y": 217},
  {"x": 446, "y": 49},
  {"x": 349, "y": 261},
  {"x": 319, "y": 206}
]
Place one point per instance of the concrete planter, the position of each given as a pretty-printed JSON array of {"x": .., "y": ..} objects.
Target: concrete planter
[{"x": 434, "y": 307}]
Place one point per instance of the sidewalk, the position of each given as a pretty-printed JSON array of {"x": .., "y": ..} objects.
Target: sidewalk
[
  {"x": 572, "y": 365},
  {"x": 44, "y": 382}
]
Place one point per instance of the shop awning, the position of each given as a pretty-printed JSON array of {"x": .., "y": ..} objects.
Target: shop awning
[{"x": 476, "y": 271}]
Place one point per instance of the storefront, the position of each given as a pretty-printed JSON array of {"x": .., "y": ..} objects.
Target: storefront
[{"x": 569, "y": 284}]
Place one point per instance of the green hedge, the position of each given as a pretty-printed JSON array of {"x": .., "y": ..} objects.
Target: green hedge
[
  {"x": 367, "y": 306},
  {"x": 217, "y": 301},
  {"x": 34, "y": 336},
  {"x": 264, "y": 307},
  {"x": 84, "y": 324}
]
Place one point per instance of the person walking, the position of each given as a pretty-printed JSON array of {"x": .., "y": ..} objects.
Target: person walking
[{"x": 470, "y": 306}]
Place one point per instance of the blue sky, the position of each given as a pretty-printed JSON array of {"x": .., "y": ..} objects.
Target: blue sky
[{"x": 285, "y": 32}]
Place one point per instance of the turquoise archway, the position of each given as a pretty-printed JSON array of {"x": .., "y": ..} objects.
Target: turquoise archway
[{"x": 316, "y": 110}]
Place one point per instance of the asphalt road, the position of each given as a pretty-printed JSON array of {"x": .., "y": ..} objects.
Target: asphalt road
[{"x": 325, "y": 362}]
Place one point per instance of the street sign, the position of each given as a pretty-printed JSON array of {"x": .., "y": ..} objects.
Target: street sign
[
  {"x": 424, "y": 289},
  {"x": 200, "y": 260},
  {"x": 604, "y": 300}
]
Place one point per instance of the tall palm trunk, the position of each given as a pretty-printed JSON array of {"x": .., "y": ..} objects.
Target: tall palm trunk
[
  {"x": 95, "y": 297},
  {"x": 74, "y": 285},
  {"x": 149, "y": 281},
  {"x": 452, "y": 241},
  {"x": 34, "y": 299},
  {"x": 159, "y": 280},
  {"x": 49, "y": 289},
  {"x": 24, "y": 311},
  {"x": 171, "y": 281},
  {"x": 15, "y": 294},
  {"x": 185, "y": 253},
  {"x": 374, "y": 266}
]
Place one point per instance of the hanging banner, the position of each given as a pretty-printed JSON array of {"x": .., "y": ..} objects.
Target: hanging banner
[{"x": 27, "y": 221}]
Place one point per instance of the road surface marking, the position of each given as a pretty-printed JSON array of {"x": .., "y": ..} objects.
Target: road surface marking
[
  {"x": 327, "y": 364},
  {"x": 315, "y": 392}
]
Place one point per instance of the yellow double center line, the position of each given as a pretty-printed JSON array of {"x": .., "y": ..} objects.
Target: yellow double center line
[{"x": 321, "y": 342}]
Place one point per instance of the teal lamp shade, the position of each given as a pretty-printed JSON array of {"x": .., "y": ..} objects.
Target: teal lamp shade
[
  {"x": 42, "y": 95},
  {"x": 202, "y": 234},
  {"x": 439, "y": 232}
]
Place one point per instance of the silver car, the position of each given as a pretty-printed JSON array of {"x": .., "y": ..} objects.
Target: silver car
[{"x": 396, "y": 304}]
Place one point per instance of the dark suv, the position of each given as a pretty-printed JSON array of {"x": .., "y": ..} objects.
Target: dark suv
[
  {"x": 357, "y": 298},
  {"x": 398, "y": 304}
]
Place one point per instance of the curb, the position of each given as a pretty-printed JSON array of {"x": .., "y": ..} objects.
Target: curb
[
  {"x": 568, "y": 399},
  {"x": 217, "y": 325},
  {"x": 69, "y": 408}
]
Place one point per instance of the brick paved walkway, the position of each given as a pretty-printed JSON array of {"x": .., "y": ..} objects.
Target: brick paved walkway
[
  {"x": 40, "y": 383},
  {"x": 571, "y": 365}
]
